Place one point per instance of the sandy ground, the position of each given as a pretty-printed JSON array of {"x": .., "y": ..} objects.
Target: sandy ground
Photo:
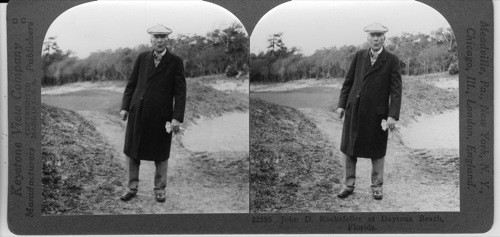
[
  {"x": 443, "y": 81},
  {"x": 297, "y": 84},
  {"x": 447, "y": 84},
  {"x": 413, "y": 181},
  {"x": 78, "y": 86},
  {"x": 199, "y": 180},
  {"x": 231, "y": 85},
  {"x": 225, "y": 133},
  {"x": 238, "y": 85},
  {"x": 407, "y": 185},
  {"x": 433, "y": 132}
]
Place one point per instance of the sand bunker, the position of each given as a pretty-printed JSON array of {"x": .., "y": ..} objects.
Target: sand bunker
[
  {"x": 447, "y": 84},
  {"x": 79, "y": 86},
  {"x": 433, "y": 132},
  {"x": 240, "y": 86},
  {"x": 229, "y": 132},
  {"x": 293, "y": 85}
]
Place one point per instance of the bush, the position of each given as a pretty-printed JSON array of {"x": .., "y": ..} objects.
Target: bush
[
  {"x": 453, "y": 68},
  {"x": 231, "y": 71}
]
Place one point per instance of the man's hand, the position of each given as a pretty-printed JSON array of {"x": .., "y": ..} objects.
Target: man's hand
[
  {"x": 391, "y": 124},
  {"x": 175, "y": 125},
  {"x": 340, "y": 112},
  {"x": 124, "y": 115}
]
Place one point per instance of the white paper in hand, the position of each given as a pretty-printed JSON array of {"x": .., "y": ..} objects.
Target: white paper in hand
[
  {"x": 168, "y": 127},
  {"x": 384, "y": 124}
]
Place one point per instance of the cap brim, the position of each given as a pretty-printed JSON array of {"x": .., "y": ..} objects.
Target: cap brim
[
  {"x": 376, "y": 31},
  {"x": 159, "y": 33}
]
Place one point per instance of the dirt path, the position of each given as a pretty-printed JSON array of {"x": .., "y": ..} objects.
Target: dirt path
[
  {"x": 198, "y": 181},
  {"x": 414, "y": 180},
  {"x": 408, "y": 185}
]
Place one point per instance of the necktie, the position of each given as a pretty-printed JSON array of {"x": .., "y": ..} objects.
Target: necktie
[
  {"x": 374, "y": 57},
  {"x": 157, "y": 59}
]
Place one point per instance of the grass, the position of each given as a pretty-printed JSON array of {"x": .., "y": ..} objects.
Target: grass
[
  {"x": 291, "y": 162},
  {"x": 432, "y": 77},
  {"x": 438, "y": 162},
  {"x": 80, "y": 173},
  {"x": 292, "y": 167},
  {"x": 203, "y": 100},
  {"x": 79, "y": 169},
  {"x": 420, "y": 97},
  {"x": 218, "y": 77},
  {"x": 206, "y": 101}
]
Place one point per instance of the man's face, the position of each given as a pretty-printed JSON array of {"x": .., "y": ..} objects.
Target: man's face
[
  {"x": 159, "y": 42},
  {"x": 376, "y": 40}
]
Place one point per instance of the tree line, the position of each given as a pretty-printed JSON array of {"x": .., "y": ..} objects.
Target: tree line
[
  {"x": 219, "y": 51},
  {"x": 418, "y": 54}
]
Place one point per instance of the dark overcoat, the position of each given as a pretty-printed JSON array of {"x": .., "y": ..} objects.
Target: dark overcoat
[
  {"x": 153, "y": 96},
  {"x": 369, "y": 94}
]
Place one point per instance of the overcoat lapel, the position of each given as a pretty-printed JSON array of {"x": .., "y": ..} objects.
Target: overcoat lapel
[
  {"x": 381, "y": 58},
  {"x": 161, "y": 66},
  {"x": 150, "y": 64},
  {"x": 367, "y": 64}
]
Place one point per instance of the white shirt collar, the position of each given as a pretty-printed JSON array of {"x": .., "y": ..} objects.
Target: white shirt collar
[
  {"x": 162, "y": 53},
  {"x": 378, "y": 51}
]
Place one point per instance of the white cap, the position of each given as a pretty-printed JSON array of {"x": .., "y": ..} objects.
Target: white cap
[
  {"x": 376, "y": 28},
  {"x": 159, "y": 30}
]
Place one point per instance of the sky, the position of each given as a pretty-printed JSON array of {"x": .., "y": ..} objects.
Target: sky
[
  {"x": 307, "y": 25},
  {"x": 313, "y": 25},
  {"x": 106, "y": 25}
]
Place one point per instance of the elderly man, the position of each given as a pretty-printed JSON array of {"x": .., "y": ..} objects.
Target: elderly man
[
  {"x": 154, "y": 101},
  {"x": 371, "y": 100}
]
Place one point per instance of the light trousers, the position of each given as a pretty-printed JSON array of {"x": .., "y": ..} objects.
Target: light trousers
[
  {"x": 160, "y": 181},
  {"x": 377, "y": 176}
]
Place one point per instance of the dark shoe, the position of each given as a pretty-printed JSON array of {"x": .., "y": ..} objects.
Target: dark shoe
[
  {"x": 344, "y": 193},
  {"x": 377, "y": 194},
  {"x": 127, "y": 196},
  {"x": 160, "y": 197}
]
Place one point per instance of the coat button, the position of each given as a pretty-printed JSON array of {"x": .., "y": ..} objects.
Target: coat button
[{"x": 357, "y": 96}]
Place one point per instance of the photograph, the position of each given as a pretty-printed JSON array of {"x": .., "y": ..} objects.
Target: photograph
[
  {"x": 144, "y": 110},
  {"x": 171, "y": 117},
  {"x": 354, "y": 108}
]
